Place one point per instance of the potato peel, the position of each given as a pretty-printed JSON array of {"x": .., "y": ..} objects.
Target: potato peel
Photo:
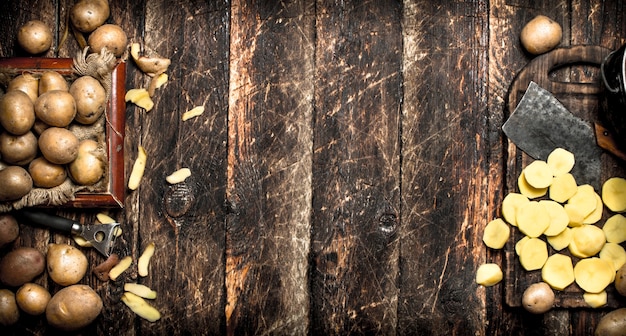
[
  {"x": 139, "y": 97},
  {"x": 178, "y": 176},
  {"x": 138, "y": 169},
  {"x": 140, "y": 290},
  {"x": 194, "y": 112},
  {"x": 141, "y": 307},
  {"x": 121, "y": 266},
  {"x": 144, "y": 260}
]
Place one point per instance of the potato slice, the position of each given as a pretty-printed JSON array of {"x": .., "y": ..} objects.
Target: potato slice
[
  {"x": 138, "y": 169},
  {"x": 144, "y": 260},
  {"x": 520, "y": 245},
  {"x": 596, "y": 215},
  {"x": 533, "y": 219},
  {"x": 527, "y": 190},
  {"x": 496, "y": 233},
  {"x": 488, "y": 274},
  {"x": 615, "y": 229},
  {"x": 558, "y": 217},
  {"x": 534, "y": 254},
  {"x": 588, "y": 239},
  {"x": 614, "y": 194},
  {"x": 122, "y": 266},
  {"x": 614, "y": 253},
  {"x": 595, "y": 300},
  {"x": 584, "y": 200},
  {"x": 593, "y": 275},
  {"x": 562, "y": 240},
  {"x": 140, "y": 290},
  {"x": 563, "y": 187},
  {"x": 510, "y": 204},
  {"x": 178, "y": 176},
  {"x": 558, "y": 271},
  {"x": 140, "y": 307},
  {"x": 194, "y": 112},
  {"x": 561, "y": 161},
  {"x": 538, "y": 174},
  {"x": 576, "y": 218}
]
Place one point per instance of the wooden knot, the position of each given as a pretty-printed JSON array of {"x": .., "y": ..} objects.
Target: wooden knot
[
  {"x": 178, "y": 199},
  {"x": 388, "y": 223}
]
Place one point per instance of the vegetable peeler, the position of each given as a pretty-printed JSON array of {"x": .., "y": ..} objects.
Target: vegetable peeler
[{"x": 101, "y": 236}]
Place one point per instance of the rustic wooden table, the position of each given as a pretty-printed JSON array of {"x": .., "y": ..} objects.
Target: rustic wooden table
[{"x": 349, "y": 155}]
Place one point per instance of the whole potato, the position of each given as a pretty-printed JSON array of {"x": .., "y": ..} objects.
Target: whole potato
[
  {"x": 9, "y": 229},
  {"x": 540, "y": 35},
  {"x": 15, "y": 182},
  {"x": 46, "y": 174},
  {"x": 73, "y": 307},
  {"x": 109, "y": 36},
  {"x": 58, "y": 145},
  {"x": 9, "y": 312},
  {"x": 538, "y": 298},
  {"x": 21, "y": 265},
  {"x": 17, "y": 112},
  {"x": 56, "y": 108},
  {"x": 612, "y": 324},
  {"x": 32, "y": 298},
  {"x": 88, "y": 167},
  {"x": 18, "y": 149},
  {"x": 50, "y": 81},
  {"x": 87, "y": 15},
  {"x": 66, "y": 264},
  {"x": 26, "y": 83},
  {"x": 35, "y": 37},
  {"x": 90, "y": 99}
]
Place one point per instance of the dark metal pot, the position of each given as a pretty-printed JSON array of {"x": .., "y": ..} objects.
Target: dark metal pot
[{"x": 613, "y": 101}]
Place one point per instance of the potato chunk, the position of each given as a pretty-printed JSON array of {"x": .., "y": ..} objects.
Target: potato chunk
[
  {"x": 488, "y": 274},
  {"x": 534, "y": 254},
  {"x": 563, "y": 187},
  {"x": 533, "y": 219},
  {"x": 527, "y": 190},
  {"x": 614, "y": 194},
  {"x": 510, "y": 204},
  {"x": 496, "y": 233},
  {"x": 584, "y": 200},
  {"x": 561, "y": 161},
  {"x": 615, "y": 229},
  {"x": 538, "y": 174},
  {"x": 558, "y": 271},
  {"x": 595, "y": 300},
  {"x": 593, "y": 275}
]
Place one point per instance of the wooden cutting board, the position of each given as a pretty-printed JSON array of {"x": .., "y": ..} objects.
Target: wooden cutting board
[{"x": 572, "y": 76}]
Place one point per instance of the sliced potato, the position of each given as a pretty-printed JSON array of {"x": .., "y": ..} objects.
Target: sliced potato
[
  {"x": 140, "y": 290},
  {"x": 496, "y": 233},
  {"x": 562, "y": 240},
  {"x": 563, "y": 187},
  {"x": 596, "y": 300},
  {"x": 614, "y": 253},
  {"x": 596, "y": 215},
  {"x": 488, "y": 274},
  {"x": 561, "y": 161},
  {"x": 538, "y": 174},
  {"x": 527, "y": 190},
  {"x": 584, "y": 200},
  {"x": 614, "y": 194},
  {"x": 194, "y": 112},
  {"x": 558, "y": 217},
  {"x": 122, "y": 266},
  {"x": 510, "y": 204},
  {"x": 144, "y": 260},
  {"x": 141, "y": 307},
  {"x": 588, "y": 239},
  {"x": 593, "y": 275},
  {"x": 178, "y": 176},
  {"x": 576, "y": 217},
  {"x": 558, "y": 271},
  {"x": 534, "y": 254},
  {"x": 138, "y": 169},
  {"x": 615, "y": 229},
  {"x": 520, "y": 245},
  {"x": 533, "y": 219}
]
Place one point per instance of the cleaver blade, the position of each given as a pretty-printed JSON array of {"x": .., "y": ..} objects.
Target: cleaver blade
[{"x": 540, "y": 123}]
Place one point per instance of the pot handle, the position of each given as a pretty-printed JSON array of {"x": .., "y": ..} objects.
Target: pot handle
[{"x": 606, "y": 83}]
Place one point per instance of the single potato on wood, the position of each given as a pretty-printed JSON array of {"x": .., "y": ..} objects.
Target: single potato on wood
[
  {"x": 66, "y": 264},
  {"x": 73, "y": 307},
  {"x": 32, "y": 298},
  {"x": 540, "y": 35},
  {"x": 35, "y": 37},
  {"x": 21, "y": 265}
]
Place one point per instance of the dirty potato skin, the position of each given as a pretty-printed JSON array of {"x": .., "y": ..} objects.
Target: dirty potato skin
[
  {"x": 46, "y": 174},
  {"x": 15, "y": 182},
  {"x": 66, "y": 264},
  {"x": 17, "y": 112},
  {"x": 612, "y": 324},
  {"x": 87, "y": 15},
  {"x": 21, "y": 265},
  {"x": 9, "y": 311},
  {"x": 73, "y": 308},
  {"x": 32, "y": 298},
  {"x": 35, "y": 37},
  {"x": 26, "y": 83},
  {"x": 58, "y": 145},
  {"x": 9, "y": 229},
  {"x": 90, "y": 99},
  {"x": 538, "y": 298},
  {"x": 88, "y": 168},
  {"x": 109, "y": 36},
  {"x": 18, "y": 149}
]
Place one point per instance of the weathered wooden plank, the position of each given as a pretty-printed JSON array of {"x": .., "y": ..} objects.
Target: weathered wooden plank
[
  {"x": 444, "y": 167},
  {"x": 269, "y": 167},
  {"x": 356, "y": 168},
  {"x": 185, "y": 220}
]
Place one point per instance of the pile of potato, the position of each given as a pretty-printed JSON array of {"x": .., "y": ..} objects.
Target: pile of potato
[
  {"x": 37, "y": 148},
  {"x": 72, "y": 307}
]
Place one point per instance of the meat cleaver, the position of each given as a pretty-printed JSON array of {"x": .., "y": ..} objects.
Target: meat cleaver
[
  {"x": 101, "y": 236},
  {"x": 540, "y": 123}
]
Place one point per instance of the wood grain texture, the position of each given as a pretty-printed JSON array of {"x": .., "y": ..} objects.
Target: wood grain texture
[
  {"x": 444, "y": 167},
  {"x": 269, "y": 167},
  {"x": 356, "y": 174}
]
